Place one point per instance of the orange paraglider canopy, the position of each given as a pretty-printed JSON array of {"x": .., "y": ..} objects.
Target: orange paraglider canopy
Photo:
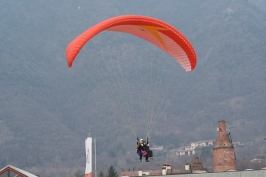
[{"x": 156, "y": 31}]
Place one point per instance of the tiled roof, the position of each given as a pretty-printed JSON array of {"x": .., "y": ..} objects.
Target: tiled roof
[
  {"x": 176, "y": 171},
  {"x": 17, "y": 170},
  {"x": 154, "y": 172},
  {"x": 129, "y": 173}
]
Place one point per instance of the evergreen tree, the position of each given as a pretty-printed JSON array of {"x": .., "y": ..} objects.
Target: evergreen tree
[
  {"x": 101, "y": 174},
  {"x": 112, "y": 172},
  {"x": 79, "y": 173}
]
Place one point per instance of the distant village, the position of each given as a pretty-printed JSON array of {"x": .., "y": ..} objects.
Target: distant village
[
  {"x": 191, "y": 150},
  {"x": 224, "y": 159}
]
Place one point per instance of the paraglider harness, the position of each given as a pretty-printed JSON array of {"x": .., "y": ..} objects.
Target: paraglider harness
[{"x": 144, "y": 151}]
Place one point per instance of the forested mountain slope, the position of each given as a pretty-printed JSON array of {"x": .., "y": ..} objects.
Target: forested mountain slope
[{"x": 47, "y": 109}]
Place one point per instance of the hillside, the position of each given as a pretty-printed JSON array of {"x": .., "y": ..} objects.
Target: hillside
[{"x": 47, "y": 109}]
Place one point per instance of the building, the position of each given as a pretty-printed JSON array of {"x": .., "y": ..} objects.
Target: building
[
  {"x": 156, "y": 148},
  {"x": 166, "y": 170},
  {"x": 197, "y": 166},
  {"x": 185, "y": 150},
  {"x": 238, "y": 144},
  {"x": 202, "y": 143},
  {"x": 11, "y": 171},
  {"x": 257, "y": 160},
  {"x": 223, "y": 152},
  {"x": 191, "y": 150}
]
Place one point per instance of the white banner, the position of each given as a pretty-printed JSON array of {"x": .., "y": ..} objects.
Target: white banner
[{"x": 88, "y": 149}]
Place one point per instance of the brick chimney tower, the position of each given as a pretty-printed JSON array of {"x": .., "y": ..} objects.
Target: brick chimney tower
[{"x": 223, "y": 152}]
